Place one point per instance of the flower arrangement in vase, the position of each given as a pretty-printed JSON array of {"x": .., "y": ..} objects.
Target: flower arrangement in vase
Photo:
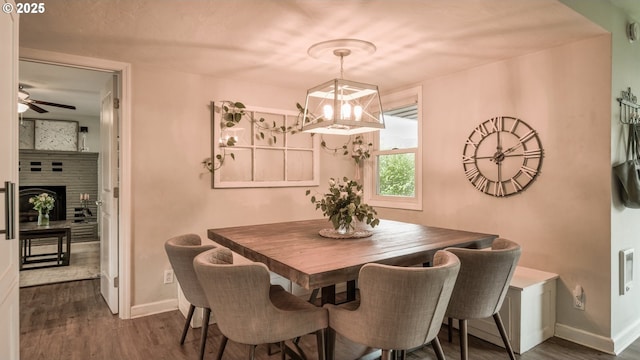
[
  {"x": 344, "y": 206},
  {"x": 42, "y": 203}
]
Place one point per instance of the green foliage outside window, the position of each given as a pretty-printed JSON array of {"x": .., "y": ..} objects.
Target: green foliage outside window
[{"x": 397, "y": 175}]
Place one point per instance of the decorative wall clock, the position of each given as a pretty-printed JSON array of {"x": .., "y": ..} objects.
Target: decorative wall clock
[{"x": 502, "y": 156}]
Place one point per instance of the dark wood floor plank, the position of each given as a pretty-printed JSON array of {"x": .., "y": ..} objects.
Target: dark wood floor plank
[{"x": 70, "y": 321}]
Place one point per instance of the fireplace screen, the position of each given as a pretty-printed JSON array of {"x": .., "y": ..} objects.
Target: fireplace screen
[{"x": 59, "y": 193}]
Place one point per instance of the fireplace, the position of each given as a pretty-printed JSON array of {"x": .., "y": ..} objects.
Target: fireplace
[{"x": 59, "y": 193}]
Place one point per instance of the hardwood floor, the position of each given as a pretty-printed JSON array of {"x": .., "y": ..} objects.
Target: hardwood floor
[{"x": 70, "y": 321}]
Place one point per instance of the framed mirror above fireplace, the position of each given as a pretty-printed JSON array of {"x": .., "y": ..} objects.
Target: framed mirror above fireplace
[{"x": 60, "y": 135}]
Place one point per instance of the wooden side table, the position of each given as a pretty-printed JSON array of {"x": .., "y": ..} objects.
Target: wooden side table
[{"x": 30, "y": 232}]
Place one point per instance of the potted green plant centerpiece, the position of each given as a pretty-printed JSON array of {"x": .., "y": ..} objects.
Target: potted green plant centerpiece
[
  {"x": 42, "y": 203},
  {"x": 344, "y": 206}
]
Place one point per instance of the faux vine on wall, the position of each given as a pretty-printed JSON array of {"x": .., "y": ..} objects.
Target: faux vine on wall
[{"x": 232, "y": 112}]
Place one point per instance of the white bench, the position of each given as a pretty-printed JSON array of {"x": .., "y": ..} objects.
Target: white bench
[{"x": 528, "y": 311}]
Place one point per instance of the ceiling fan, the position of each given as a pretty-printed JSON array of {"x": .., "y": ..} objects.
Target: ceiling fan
[{"x": 25, "y": 102}]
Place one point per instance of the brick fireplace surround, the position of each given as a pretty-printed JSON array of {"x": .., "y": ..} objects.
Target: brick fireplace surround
[{"x": 77, "y": 171}]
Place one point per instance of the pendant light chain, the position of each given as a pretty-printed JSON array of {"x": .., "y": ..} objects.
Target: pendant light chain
[{"x": 340, "y": 87}]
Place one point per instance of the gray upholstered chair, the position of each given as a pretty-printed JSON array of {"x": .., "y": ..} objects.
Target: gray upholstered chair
[
  {"x": 181, "y": 251},
  {"x": 249, "y": 310},
  {"x": 399, "y": 308},
  {"x": 481, "y": 287}
]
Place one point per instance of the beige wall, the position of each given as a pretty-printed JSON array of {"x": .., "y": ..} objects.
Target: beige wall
[
  {"x": 561, "y": 220},
  {"x": 172, "y": 192}
]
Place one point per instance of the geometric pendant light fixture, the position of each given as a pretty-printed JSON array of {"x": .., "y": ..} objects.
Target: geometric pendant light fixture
[{"x": 339, "y": 106}]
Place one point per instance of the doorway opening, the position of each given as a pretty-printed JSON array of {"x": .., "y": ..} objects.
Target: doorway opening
[{"x": 63, "y": 147}]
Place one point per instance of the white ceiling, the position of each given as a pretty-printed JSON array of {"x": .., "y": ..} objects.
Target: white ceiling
[
  {"x": 63, "y": 85},
  {"x": 267, "y": 41}
]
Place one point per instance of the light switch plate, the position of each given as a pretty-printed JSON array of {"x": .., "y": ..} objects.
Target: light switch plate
[{"x": 626, "y": 270}]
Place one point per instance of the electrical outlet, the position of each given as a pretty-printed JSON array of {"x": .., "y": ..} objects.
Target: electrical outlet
[
  {"x": 168, "y": 276},
  {"x": 578, "y": 297}
]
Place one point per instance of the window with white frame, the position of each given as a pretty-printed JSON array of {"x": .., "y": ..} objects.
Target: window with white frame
[{"x": 394, "y": 175}]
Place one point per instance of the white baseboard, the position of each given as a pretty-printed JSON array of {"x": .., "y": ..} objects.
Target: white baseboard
[
  {"x": 613, "y": 346},
  {"x": 584, "y": 338},
  {"x": 153, "y": 308},
  {"x": 626, "y": 337}
]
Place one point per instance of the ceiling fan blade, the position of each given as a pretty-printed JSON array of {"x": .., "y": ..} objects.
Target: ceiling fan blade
[
  {"x": 71, "y": 107},
  {"x": 36, "y": 108}
]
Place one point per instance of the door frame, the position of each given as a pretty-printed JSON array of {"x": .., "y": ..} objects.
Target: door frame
[
  {"x": 9, "y": 241},
  {"x": 124, "y": 132}
]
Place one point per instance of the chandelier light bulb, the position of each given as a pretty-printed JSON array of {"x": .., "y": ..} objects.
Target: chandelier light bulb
[
  {"x": 346, "y": 111},
  {"x": 328, "y": 112},
  {"x": 357, "y": 112}
]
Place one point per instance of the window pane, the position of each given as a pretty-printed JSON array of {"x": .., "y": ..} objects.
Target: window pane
[
  {"x": 396, "y": 175},
  {"x": 268, "y": 138},
  {"x": 299, "y": 139},
  {"x": 299, "y": 165},
  {"x": 269, "y": 165},
  {"x": 401, "y": 128},
  {"x": 238, "y": 167}
]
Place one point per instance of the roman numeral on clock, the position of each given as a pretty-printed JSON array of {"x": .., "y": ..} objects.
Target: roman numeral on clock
[
  {"x": 496, "y": 124},
  {"x": 529, "y": 172},
  {"x": 470, "y": 142},
  {"x": 516, "y": 185},
  {"x": 468, "y": 159},
  {"x": 482, "y": 183},
  {"x": 527, "y": 136},
  {"x": 533, "y": 154},
  {"x": 472, "y": 173},
  {"x": 482, "y": 130},
  {"x": 514, "y": 126}
]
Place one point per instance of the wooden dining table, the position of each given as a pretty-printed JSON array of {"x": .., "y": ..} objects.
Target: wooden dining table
[{"x": 296, "y": 250}]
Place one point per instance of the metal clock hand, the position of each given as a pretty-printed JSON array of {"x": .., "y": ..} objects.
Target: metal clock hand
[
  {"x": 498, "y": 156},
  {"x": 513, "y": 148}
]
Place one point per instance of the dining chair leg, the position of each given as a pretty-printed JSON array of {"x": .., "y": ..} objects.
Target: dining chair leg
[
  {"x": 320, "y": 344},
  {"x": 205, "y": 329},
  {"x": 223, "y": 344},
  {"x": 270, "y": 350},
  {"x": 386, "y": 354},
  {"x": 252, "y": 352},
  {"x": 402, "y": 355},
  {"x": 187, "y": 323},
  {"x": 464, "y": 341},
  {"x": 330, "y": 344},
  {"x": 437, "y": 348},
  {"x": 282, "y": 352},
  {"x": 313, "y": 296},
  {"x": 503, "y": 334},
  {"x": 450, "y": 329}
]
